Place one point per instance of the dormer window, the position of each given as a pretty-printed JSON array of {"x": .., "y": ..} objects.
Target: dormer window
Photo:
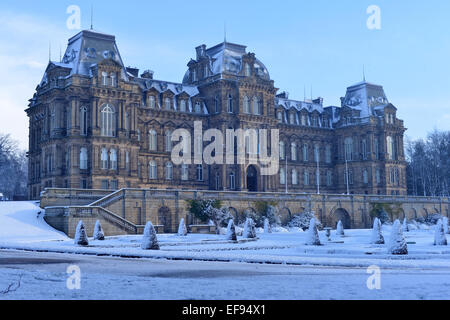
[
  {"x": 292, "y": 118},
  {"x": 152, "y": 101},
  {"x": 183, "y": 105},
  {"x": 280, "y": 116},
  {"x": 198, "y": 108},
  {"x": 167, "y": 104},
  {"x": 113, "y": 80},
  {"x": 104, "y": 78}
]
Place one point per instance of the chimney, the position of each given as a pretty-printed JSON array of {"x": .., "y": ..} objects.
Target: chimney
[
  {"x": 148, "y": 74},
  {"x": 133, "y": 71},
  {"x": 200, "y": 51}
]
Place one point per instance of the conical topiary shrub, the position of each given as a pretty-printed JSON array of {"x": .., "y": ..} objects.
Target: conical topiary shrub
[
  {"x": 149, "y": 240},
  {"x": 98, "y": 232},
  {"x": 81, "y": 238},
  {"x": 439, "y": 235},
  {"x": 377, "y": 235},
  {"x": 445, "y": 224},
  {"x": 249, "y": 229},
  {"x": 397, "y": 242},
  {"x": 267, "y": 226},
  {"x": 405, "y": 225},
  {"x": 340, "y": 229},
  {"x": 231, "y": 231},
  {"x": 182, "y": 230},
  {"x": 313, "y": 234}
]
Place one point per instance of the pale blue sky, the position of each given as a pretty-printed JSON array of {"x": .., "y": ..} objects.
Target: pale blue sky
[{"x": 323, "y": 44}]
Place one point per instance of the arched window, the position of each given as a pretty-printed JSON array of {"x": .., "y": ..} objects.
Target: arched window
[
  {"x": 329, "y": 178},
  {"x": 108, "y": 125},
  {"x": 113, "y": 80},
  {"x": 198, "y": 108},
  {"x": 139, "y": 135},
  {"x": 255, "y": 106},
  {"x": 127, "y": 121},
  {"x": 294, "y": 177},
  {"x": 378, "y": 176},
  {"x": 216, "y": 104},
  {"x": 316, "y": 153},
  {"x": 83, "y": 121},
  {"x": 306, "y": 178},
  {"x": 167, "y": 104},
  {"x": 248, "y": 70},
  {"x": 184, "y": 172},
  {"x": 305, "y": 152},
  {"x": 152, "y": 102},
  {"x": 152, "y": 171},
  {"x": 376, "y": 148},
  {"x": 153, "y": 140},
  {"x": 104, "y": 159},
  {"x": 230, "y": 104},
  {"x": 348, "y": 149},
  {"x": 169, "y": 141},
  {"x": 104, "y": 78},
  {"x": 282, "y": 150},
  {"x": 217, "y": 181},
  {"x": 83, "y": 159},
  {"x": 390, "y": 148},
  {"x": 282, "y": 176},
  {"x": 194, "y": 75},
  {"x": 113, "y": 159},
  {"x": 364, "y": 149},
  {"x": 169, "y": 171},
  {"x": 232, "y": 181},
  {"x": 183, "y": 105},
  {"x": 127, "y": 161},
  {"x": 246, "y": 105},
  {"x": 328, "y": 154},
  {"x": 365, "y": 176},
  {"x": 280, "y": 116},
  {"x": 294, "y": 151},
  {"x": 199, "y": 172}
]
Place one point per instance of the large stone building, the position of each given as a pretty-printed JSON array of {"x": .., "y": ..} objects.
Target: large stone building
[{"x": 96, "y": 124}]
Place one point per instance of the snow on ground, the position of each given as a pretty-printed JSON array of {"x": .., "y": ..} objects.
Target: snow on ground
[
  {"x": 278, "y": 265},
  {"x": 19, "y": 223}
]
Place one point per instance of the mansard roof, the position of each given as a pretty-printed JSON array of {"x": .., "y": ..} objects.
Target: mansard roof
[{"x": 365, "y": 96}]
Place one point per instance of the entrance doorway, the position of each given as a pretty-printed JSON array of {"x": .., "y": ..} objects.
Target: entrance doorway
[{"x": 252, "y": 179}]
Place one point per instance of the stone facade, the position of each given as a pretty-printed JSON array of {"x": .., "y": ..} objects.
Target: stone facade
[{"x": 96, "y": 124}]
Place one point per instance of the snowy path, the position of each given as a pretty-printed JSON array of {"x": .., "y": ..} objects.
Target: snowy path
[{"x": 44, "y": 277}]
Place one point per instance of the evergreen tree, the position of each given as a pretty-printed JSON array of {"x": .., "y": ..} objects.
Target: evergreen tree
[
  {"x": 98, "y": 232},
  {"x": 81, "y": 238},
  {"x": 405, "y": 225},
  {"x": 149, "y": 240},
  {"x": 231, "y": 231},
  {"x": 313, "y": 234},
  {"x": 397, "y": 243},
  {"x": 377, "y": 235},
  {"x": 439, "y": 235}
]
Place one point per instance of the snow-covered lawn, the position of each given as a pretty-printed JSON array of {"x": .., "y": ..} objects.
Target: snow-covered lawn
[{"x": 21, "y": 229}]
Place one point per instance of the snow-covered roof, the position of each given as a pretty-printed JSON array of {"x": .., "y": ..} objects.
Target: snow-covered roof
[
  {"x": 365, "y": 96},
  {"x": 88, "y": 48},
  {"x": 226, "y": 57},
  {"x": 309, "y": 106},
  {"x": 163, "y": 86}
]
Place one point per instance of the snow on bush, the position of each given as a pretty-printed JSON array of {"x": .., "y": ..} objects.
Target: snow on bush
[
  {"x": 98, "y": 232},
  {"x": 218, "y": 217},
  {"x": 267, "y": 227},
  {"x": 231, "y": 231},
  {"x": 397, "y": 243},
  {"x": 302, "y": 220},
  {"x": 340, "y": 229},
  {"x": 249, "y": 229},
  {"x": 439, "y": 235},
  {"x": 313, "y": 234},
  {"x": 445, "y": 224},
  {"x": 405, "y": 225},
  {"x": 377, "y": 235},
  {"x": 182, "y": 230},
  {"x": 81, "y": 238},
  {"x": 149, "y": 240}
]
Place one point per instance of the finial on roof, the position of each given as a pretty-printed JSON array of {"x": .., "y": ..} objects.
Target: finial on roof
[
  {"x": 92, "y": 16},
  {"x": 225, "y": 32},
  {"x": 364, "y": 73}
]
